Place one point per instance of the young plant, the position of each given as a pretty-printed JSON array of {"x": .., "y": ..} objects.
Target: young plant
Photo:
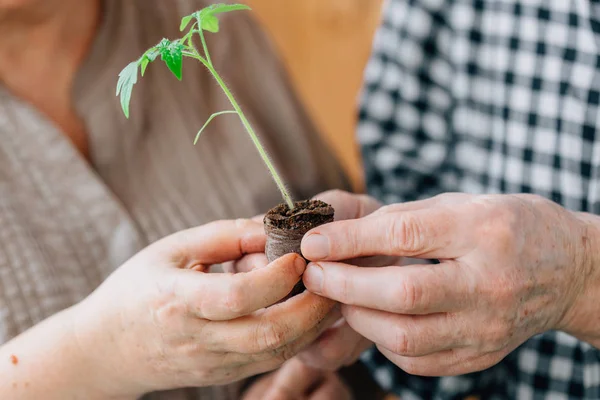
[{"x": 172, "y": 53}]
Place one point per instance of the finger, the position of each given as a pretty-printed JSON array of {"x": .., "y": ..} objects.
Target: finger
[
  {"x": 412, "y": 289},
  {"x": 349, "y": 205},
  {"x": 332, "y": 388},
  {"x": 213, "y": 243},
  {"x": 408, "y": 335},
  {"x": 220, "y": 297},
  {"x": 426, "y": 233},
  {"x": 336, "y": 347},
  {"x": 258, "y": 389},
  {"x": 441, "y": 199},
  {"x": 294, "y": 378},
  {"x": 253, "y": 364},
  {"x": 273, "y": 328},
  {"x": 445, "y": 363},
  {"x": 247, "y": 263}
]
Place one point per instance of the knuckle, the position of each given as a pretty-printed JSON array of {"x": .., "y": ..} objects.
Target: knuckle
[
  {"x": 500, "y": 231},
  {"x": 284, "y": 353},
  {"x": 167, "y": 309},
  {"x": 405, "y": 234},
  {"x": 235, "y": 301},
  {"x": 270, "y": 337},
  {"x": 342, "y": 287},
  {"x": 401, "y": 342},
  {"x": 407, "y": 296}
]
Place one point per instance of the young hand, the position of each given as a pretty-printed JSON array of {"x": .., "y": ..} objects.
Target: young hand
[{"x": 161, "y": 322}]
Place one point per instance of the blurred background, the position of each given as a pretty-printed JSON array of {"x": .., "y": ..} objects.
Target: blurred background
[{"x": 325, "y": 45}]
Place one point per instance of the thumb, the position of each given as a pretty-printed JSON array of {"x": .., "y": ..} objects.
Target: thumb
[{"x": 213, "y": 243}]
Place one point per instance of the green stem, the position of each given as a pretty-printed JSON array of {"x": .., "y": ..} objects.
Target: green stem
[
  {"x": 206, "y": 54},
  {"x": 253, "y": 136}
]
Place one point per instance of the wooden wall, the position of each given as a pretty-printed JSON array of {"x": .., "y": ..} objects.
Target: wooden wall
[{"x": 325, "y": 44}]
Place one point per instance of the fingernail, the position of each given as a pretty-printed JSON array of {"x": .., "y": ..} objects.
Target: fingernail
[
  {"x": 313, "y": 278},
  {"x": 315, "y": 247},
  {"x": 300, "y": 265}
]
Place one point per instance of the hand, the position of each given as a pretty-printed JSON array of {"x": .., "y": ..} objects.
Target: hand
[
  {"x": 296, "y": 381},
  {"x": 161, "y": 322},
  {"x": 512, "y": 266},
  {"x": 339, "y": 345}
]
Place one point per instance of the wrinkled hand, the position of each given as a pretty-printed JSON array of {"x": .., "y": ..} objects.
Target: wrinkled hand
[
  {"x": 296, "y": 381},
  {"x": 161, "y": 322},
  {"x": 511, "y": 266}
]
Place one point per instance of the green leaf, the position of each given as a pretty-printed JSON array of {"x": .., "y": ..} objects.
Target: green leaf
[
  {"x": 144, "y": 64},
  {"x": 185, "y": 22},
  {"x": 223, "y": 8},
  {"x": 210, "y": 23},
  {"x": 127, "y": 79},
  {"x": 210, "y": 119},
  {"x": 148, "y": 57},
  {"x": 207, "y": 19},
  {"x": 171, "y": 54}
]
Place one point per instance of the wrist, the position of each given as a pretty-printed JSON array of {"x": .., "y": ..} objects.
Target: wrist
[
  {"x": 46, "y": 361},
  {"x": 582, "y": 320},
  {"x": 99, "y": 352}
]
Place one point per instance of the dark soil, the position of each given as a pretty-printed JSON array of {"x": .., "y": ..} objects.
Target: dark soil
[{"x": 306, "y": 215}]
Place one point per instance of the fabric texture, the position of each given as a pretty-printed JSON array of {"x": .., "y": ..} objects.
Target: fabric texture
[
  {"x": 483, "y": 96},
  {"x": 66, "y": 224}
]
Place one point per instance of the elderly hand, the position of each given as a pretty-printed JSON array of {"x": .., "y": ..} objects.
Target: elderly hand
[
  {"x": 161, "y": 322},
  {"x": 511, "y": 266},
  {"x": 296, "y": 381}
]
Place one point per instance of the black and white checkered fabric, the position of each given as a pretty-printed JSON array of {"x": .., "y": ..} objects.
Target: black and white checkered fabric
[{"x": 488, "y": 96}]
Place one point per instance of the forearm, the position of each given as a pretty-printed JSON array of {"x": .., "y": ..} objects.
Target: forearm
[
  {"x": 583, "y": 320},
  {"x": 47, "y": 362}
]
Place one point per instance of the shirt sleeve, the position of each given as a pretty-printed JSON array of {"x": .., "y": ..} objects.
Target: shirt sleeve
[{"x": 405, "y": 105}]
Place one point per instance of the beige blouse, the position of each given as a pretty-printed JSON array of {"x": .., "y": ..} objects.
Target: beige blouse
[{"x": 66, "y": 224}]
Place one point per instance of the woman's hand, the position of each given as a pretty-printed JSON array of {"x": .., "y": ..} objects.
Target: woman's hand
[
  {"x": 161, "y": 322},
  {"x": 296, "y": 381},
  {"x": 512, "y": 266}
]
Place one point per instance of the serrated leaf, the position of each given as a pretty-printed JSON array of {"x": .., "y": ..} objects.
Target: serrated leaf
[
  {"x": 207, "y": 19},
  {"x": 185, "y": 22},
  {"x": 127, "y": 79},
  {"x": 171, "y": 54}
]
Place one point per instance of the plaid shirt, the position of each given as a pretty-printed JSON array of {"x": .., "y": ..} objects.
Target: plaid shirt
[{"x": 488, "y": 96}]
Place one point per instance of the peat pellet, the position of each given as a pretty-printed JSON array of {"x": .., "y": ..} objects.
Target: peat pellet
[{"x": 285, "y": 228}]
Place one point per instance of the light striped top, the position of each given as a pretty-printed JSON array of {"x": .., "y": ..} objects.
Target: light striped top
[{"x": 66, "y": 224}]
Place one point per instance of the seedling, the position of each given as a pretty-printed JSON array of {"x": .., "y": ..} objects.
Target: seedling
[
  {"x": 172, "y": 53},
  {"x": 285, "y": 224}
]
